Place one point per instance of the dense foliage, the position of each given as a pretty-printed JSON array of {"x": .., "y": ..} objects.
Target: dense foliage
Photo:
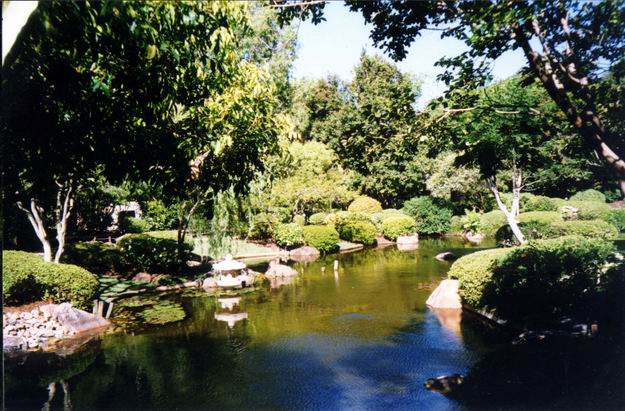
[
  {"x": 323, "y": 238},
  {"x": 431, "y": 216},
  {"x": 152, "y": 254},
  {"x": 363, "y": 232},
  {"x": 27, "y": 278},
  {"x": 96, "y": 257},
  {"x": 364, "y": 204},
  {"x": 289, "y": 235},
  {"x": 397, "y": 226}
]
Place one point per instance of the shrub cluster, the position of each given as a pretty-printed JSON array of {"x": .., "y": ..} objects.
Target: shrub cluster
[
  {"x": 324, "y": 238},
  {"x": 133, "y": 225},
  {"x": 289, "y": 235},
  {"x": 397, "y": 226},
  {"x": 617, "y": 219},
  {"x": 299, "y": 219},
  {"x": 363, "y": 232},
  {"x": 491, "y": 222},
  {"x": 589, "y": 195},
  {"x": 317, "y": 218},
  {"x": 590, "y": 210},
  {"x": 364, "y": 204},
  {"x": 531, "y": 202},
  {"x": 590, "y": 228},
  {"x": 156, "y": 255},
  {"x": 27, "y": 278},
  {"x": 474, "y": 271},
  {"x": 262, "y": 226},
  {"x": 96, "y": 257},
  {"x": 548, "y": 279},
  {"x": 431, "y": 217}
]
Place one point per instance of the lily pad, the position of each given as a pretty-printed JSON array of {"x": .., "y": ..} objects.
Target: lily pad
[{"x": 165, "y": 313}]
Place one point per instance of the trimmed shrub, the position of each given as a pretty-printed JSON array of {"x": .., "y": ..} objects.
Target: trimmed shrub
[
  {"x": 362, "y": 232},
  {"x": 590, "y": 210},
  {"x": 299, "y": 219},
  {"x": 27, "y": 278},
  {"x": 289, "y": 235},
  {"x": 324, "y": 238},
  {"x": 431, "y": 217},
  {"x": 456, "y": 225},
  {"x": 364, "y": 204},
  {"x": 617, "y": 219},
  {"x": 96, "y": 257},
  {"x": 317, "y": 218},
  {"x": 152, "y": 254},
  {"x": 531, "y": 202},
  {"x": 591, "y": 229},
  {"x": 535, "y": 224},
  {"x": 133, "y": 225},
  {"x": 548, "y": 279},
  {"x": 394, "y": 227},
  {"x": 474, "y": 271},
  {"x": 589, "y": 195},
  {"x": 490, "y": 222},
  {"x": 340, "y": 217}
]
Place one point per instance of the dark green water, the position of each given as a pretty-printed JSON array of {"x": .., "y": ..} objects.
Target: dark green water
[{"x": 362, "y": 339}]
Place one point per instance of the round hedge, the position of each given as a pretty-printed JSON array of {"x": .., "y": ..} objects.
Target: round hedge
[
  {"x": 589, "y": 228},
  {"x": 362, "y": 232},
  {"x": 473, "y": 272},
  {"x": 531, "y": 202},
  {"x": 317, "y": 218},
  {"x": 589, "y": 195},
  {"x": 431, "y": 217},
  {"x": 590, "y": 210},
  {"x": 364, "y": 204},
  {"x": 27, "y": 278},
  {"x": 324, "y": 238},
  {"x": 394, "y": 227},
  {"x": 289, "y": 235}
]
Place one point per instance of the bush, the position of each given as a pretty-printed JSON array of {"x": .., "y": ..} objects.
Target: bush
[
  {"x": 133, "y": 225},
  {"x": 590, "y": 210},
  {"x": 152, "y": 254},
  {"x": 362, "y": 232},
  {"x": 531, "y": 202},
  {"x": 535, "y": 224},
  {"x": 431, "y": 217},
  {"x": 340, "y": 217},
  {"x": 27, "y": 278},
  {"x": 159, "y": 216},
  {"x": 378, "y": 218},
  {"x": 456, "y": 224},
  {"x": 364, "y": 204},
  {"x": 591, "y": 229},
  {"x": 548, "y": 279},
  {"x": 589, "y": 195},
  {"x": 617, "y": 219},
  {"x": 299, "y": 219},
  {"x": 474, "y": 271},
  {"x": 317, "y": 218},
  {"x": 289, "y": 235},
  {"x": 323, "y": 238},
  {"x": 490, "y": 222},
  {"x": 262, "y": 226},
  {"x": 96, "y": 257},
  {"x": 394, "y": 227}
]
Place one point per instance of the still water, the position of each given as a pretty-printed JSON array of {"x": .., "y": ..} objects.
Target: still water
[{"x": 361, "y": 339}]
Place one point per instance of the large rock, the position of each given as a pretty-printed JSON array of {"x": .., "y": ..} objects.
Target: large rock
[
  {"x": 408, "y": 239},
  {"x": 12, "y": 343},
  {"x": 76, "y": 320},
  {"x": 142, "y": 277},
  {"x": 445, "y": 295},
  {"x": 304, "y": 254},
  {"x": 474, "y": 238},
  {"x": 279, "y": 270}
]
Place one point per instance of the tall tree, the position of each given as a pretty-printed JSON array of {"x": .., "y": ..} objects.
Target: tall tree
[{"x": 568, "y": 45}]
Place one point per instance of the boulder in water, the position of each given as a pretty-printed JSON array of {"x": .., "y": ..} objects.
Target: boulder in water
[
  {"x": 280, "y": 270},
  {"x": 76, "y": 320},
  {"x": 445, "y": 295},
  {"x": 304, "y": 254},
  {"x": 407, "y": 239},
  {"x": 446, "y": 256}
]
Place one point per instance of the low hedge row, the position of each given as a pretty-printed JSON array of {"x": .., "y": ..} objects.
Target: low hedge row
[
  {"x": 537, "y": 282},
  {"x": 27, "y": 278}
]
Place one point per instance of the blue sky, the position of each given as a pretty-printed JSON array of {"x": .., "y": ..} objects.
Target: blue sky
[{"x": 334, "y": 46}]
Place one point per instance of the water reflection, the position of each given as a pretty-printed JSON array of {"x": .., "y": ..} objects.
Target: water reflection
[{"x": 449, "y": 318}]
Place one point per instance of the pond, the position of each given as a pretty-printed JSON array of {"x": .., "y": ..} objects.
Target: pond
[{"x": 361, "y": 339}]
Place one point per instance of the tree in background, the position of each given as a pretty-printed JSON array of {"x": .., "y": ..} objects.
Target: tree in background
[
  {"x": 127, "y": 89},
  {"x": 569, "y": 46}
]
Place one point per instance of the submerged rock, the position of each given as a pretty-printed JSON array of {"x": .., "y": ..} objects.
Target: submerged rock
[
  {"x": 280, "y": 270},
  {"x": 446, "y": 256}
]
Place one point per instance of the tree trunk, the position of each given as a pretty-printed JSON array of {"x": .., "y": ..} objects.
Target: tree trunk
[
  {"x": 62, "y": 215},
  {"x": 34, "y": 216},
  {"x": 514, "y": 209}
]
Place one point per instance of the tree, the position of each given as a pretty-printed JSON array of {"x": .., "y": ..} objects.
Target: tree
[
  {"x": 568, "y": 44},
  {"x": 119, "y": 84}
]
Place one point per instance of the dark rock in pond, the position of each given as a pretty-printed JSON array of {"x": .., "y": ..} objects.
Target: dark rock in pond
[
  {"x": 444, "y": 385},
  {"x": 304, "y": 254},
  {"x": 446, "y": 256},
  {"x": 142, "y": 277}
]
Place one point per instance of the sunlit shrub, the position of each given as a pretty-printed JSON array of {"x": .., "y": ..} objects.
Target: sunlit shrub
[
  {"x": 289, "y": 235},
  {"x": 324, "y": 238},
  {"x": 362, "y": 232},
  {"x": 397, "y": 226},
  {"x": 589, "y": 195},
  {"x": 364, "y": 204},
  {"x": 155, "y": 255}
]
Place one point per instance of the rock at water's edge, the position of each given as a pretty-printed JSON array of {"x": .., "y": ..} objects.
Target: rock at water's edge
[
  {"x": 77, "y": 320},
  {"x": 280, "y": 270},
  {"x": 446, "y": 256},
  {"x": 304, "y": 254},
  {"x": 445, "y": 295},
  {"x": 408, "y": 239}
]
